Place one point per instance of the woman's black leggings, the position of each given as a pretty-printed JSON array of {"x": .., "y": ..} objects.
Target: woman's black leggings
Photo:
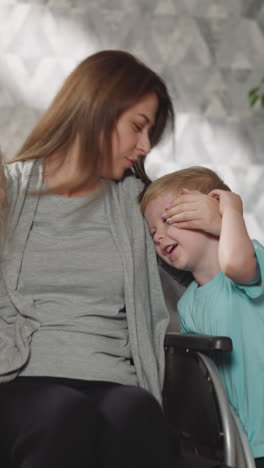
[{"x": 65, "y": 423}]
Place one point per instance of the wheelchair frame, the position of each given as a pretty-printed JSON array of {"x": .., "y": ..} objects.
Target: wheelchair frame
[{"x": 188, "y": 356}]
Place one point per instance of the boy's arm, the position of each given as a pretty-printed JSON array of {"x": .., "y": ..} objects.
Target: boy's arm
[{"x": 236, "y": 252}]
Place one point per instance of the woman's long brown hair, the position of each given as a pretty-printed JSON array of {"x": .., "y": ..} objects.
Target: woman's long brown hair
[{"x": 89, "y": 103}]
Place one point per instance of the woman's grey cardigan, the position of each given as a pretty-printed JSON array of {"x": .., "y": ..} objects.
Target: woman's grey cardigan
[{"x": 147, "y": 314}]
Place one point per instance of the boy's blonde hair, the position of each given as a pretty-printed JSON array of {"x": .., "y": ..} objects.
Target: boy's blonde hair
[{"x": 194, "y": 178}]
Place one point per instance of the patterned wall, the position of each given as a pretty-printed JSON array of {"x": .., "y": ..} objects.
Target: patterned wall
[{"x": 209, "y": 51}]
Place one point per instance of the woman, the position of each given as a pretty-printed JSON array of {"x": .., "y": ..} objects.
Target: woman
[{"x": 82, "y": 313}]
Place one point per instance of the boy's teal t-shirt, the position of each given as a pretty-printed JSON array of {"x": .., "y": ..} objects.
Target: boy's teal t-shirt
[{"x": 223, "y": 307}]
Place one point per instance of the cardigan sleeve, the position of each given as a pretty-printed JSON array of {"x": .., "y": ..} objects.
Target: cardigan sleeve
[{"x": 17, "y": 321}]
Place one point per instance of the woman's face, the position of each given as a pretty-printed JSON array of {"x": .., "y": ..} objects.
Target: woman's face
[{"x": 130, "y": 140}]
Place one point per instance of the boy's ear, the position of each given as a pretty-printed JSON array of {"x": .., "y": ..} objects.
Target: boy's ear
[{"x": 213, "y": 195}]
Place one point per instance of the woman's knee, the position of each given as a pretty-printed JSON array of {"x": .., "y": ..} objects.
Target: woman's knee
[
  {"x": 135, "y": 430},
  {"x": 130, "y": 405}
]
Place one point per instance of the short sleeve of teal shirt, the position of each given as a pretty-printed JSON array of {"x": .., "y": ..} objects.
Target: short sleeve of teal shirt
[
  {"x": 223, "y": 307},
  {"x": 256, "y": 288},
  {"x": 207, "y": 309}
]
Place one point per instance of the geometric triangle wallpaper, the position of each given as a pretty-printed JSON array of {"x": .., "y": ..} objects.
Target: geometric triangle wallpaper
[{"x": 210, "y": 53}]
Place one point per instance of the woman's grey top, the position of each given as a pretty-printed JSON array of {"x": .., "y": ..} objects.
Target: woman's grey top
[
  {"x": 72, "y": 270},
  {"x": 146, "y": 312}
]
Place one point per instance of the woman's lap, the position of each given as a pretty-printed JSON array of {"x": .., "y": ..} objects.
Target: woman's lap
[
  {"x": 44, "y": 422},
  {"x": 48, "y": 423}
]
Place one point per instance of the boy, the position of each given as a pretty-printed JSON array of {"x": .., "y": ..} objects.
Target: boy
[{"x": 227, "y": 294}]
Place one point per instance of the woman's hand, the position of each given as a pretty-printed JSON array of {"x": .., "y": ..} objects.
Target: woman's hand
[{"x": 194, "y": 210}]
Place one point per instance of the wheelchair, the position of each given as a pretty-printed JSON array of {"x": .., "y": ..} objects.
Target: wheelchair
[{"x": 207, "y": 431}]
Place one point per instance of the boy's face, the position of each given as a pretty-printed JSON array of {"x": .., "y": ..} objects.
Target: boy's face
[{"x": 181, "y": 248}]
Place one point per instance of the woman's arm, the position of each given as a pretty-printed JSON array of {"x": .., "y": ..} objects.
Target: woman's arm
[{"x": 236, "y": 251}]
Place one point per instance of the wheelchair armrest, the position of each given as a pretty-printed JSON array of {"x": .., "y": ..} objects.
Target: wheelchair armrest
[{"x": 201, "y": 343}]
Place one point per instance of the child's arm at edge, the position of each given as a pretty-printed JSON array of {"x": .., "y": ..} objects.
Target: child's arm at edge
[{"x": 236, "y": 251}]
